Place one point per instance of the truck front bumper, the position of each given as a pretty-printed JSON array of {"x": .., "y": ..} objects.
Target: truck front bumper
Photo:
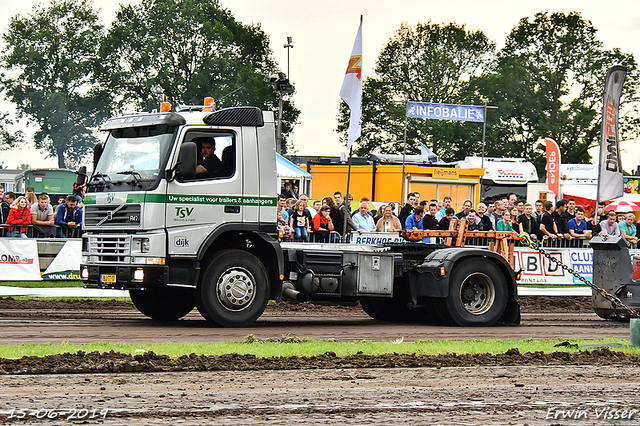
[{"x": 124, "y": 277}]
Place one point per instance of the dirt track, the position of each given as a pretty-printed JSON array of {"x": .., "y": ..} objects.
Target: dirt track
[
  {"x": 98, "y": 320},
  {"x": 512, "y": 388}
]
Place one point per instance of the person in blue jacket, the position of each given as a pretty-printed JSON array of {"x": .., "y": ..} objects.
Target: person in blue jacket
[{"x": 68, "y": 218}]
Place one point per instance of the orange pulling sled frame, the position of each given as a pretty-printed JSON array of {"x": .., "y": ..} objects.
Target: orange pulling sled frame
[{"x": 457, "y": 236}]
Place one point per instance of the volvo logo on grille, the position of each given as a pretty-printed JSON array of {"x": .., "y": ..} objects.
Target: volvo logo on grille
[{"x": 109, "y": 216}]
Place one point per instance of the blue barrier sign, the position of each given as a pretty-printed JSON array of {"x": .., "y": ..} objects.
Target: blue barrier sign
[{"x": 445, "y": 112}]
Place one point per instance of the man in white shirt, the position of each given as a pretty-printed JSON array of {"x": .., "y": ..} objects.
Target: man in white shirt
[
  {"x": 363, "y": 219},
  {"x": 312, "y": 212}
]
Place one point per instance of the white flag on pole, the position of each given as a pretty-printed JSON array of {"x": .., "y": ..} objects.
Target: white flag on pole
[{"x": 351, "y": 91}]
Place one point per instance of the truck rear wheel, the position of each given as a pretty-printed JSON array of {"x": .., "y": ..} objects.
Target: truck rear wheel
[
  {"x": 164, "y": 304},
  {"x": 477, "y": 294},
  {"x": 234, "y": 290},
  {"x": 379, "y": 308}
]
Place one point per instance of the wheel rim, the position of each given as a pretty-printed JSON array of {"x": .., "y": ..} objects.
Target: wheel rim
[
  {"x": 477, "y": 293},
  {"x": 236, "y": 289}
]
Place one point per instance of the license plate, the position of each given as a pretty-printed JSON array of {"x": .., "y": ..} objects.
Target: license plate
[{"x": 107, "y": 278}]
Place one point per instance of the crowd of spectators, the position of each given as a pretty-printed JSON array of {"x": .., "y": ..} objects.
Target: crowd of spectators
[
  {"x": 563, "y": 223},
  {"x": 32, "y": 215}
]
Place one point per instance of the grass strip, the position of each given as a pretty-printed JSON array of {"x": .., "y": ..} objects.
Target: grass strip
[
  {"x": 288, "y": 346},
  {"x": 42, "y": 284},
  {"x": 65, "y": 299}
]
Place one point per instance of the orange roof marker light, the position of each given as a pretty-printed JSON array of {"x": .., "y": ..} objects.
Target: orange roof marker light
[
  {"x": 209, "y": 104},
  {"x": 165, "y": 107}
]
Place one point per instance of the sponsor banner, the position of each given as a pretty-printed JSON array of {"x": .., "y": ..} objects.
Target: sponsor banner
[
  {"x": 582, "y": 263},
  {"x": 370, "y": 238},
  {"x": 631, "y": 185},
  {"x": 610, "y": 179},
  {"x": 553, "y": 166},
  {"x": 445, "y": 112},
  {"x": 539, "y": 270},
  {"x": 66, "y": 265},
  {"x": 19, "y": 259}
]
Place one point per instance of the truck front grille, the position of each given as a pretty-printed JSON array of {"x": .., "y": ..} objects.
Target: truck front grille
[
  {"x": 105, "y": 216},
  {"x": 110, "y": 249}
]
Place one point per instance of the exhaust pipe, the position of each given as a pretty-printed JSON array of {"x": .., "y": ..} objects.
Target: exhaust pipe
[{"x": 289, "y": 292}]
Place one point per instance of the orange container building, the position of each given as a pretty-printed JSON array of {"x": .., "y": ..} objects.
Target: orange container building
[{"x": 383, "y": 182}]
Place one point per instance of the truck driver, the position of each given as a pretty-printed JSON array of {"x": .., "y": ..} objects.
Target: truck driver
[{"x": 209, "y": 164}]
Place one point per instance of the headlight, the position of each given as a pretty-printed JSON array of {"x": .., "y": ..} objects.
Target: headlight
[{"x": 138, "y": 275}]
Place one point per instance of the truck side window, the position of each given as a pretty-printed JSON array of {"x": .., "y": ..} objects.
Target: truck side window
[{"x": 216, "y": 154}]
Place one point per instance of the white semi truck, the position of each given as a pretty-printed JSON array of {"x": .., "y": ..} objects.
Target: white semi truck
[
  {"x": 502, "y": 176},
  {"x": 179, "y": 239}
]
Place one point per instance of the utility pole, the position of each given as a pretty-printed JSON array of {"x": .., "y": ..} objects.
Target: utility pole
[
  {"x": 288, "y": 46},
  {"x": 282, "y": 87}
]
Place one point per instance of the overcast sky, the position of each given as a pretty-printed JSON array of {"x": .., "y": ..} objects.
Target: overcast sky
[{"x": 323, "y": 34}]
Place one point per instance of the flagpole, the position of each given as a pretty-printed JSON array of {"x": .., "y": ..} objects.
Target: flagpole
[
  {"x": 404, "y": 154},
  {"x": 351, "y": 93},
  {"x": 484, "y": 132},
  {"x": 347, "y": 210}
]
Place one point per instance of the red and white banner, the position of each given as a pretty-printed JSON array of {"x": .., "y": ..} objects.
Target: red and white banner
[
  {"x": 610, "y": 176},
  {"x": 19, "y": 259},
  {"x": 351, "y": 91},
  {"x": 553, "y": 166}
]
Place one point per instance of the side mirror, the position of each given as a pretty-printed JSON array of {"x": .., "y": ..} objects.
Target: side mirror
[
  {"x": 188, "y": 159},
  {"x": 82, "y": 175},
  {"x": 97, "y": 153}
]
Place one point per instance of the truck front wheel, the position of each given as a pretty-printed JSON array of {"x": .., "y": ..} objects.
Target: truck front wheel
[
  {"x": 477, "y": 294},
  {"x": 164, "y": 304},
  {"x": 234, "y": 290}
]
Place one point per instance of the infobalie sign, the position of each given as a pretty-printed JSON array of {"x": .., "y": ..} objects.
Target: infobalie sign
[{"x": 445, "y": 112}]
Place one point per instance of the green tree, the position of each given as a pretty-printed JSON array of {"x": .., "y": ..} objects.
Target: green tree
[
  {"x": 548, "y": 81},
  {"x": 50, "y": 61},
  {"x": 7, "y": 138},
  {"x": 429, "y": 63},
  {"x": 191, "y": 49}
]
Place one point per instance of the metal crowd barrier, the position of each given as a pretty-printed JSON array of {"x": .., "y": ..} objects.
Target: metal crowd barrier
[{"x": 32, "y": 232}]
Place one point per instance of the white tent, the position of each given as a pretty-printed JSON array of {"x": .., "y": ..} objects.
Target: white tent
[{"x": 287, "y": 171}]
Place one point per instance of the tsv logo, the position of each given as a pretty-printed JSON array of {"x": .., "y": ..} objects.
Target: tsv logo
[
  {"x": 181, "y": 242},
  {"x": 110, "y": 197},
  {"x": 183, "y": 212}
]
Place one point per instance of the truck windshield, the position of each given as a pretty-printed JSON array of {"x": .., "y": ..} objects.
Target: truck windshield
[
  {"x": 499, "y": 191},
  {"x": 138, "y": 152}
]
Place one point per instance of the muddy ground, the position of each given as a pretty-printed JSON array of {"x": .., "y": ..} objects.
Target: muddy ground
[
  {"x": 528, "y": 304},
  {"x": 587, "y": 387}
]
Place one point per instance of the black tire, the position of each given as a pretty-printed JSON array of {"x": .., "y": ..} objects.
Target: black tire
[
  {"x": 394, "y": 308},
  {"x": 477, "y": 294},
  {"x": 379, "y": 308},
  {"x": 234, "y": 289},
  {"x": 164, "y": 304},
  {"x": 441, "y": 311}
]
